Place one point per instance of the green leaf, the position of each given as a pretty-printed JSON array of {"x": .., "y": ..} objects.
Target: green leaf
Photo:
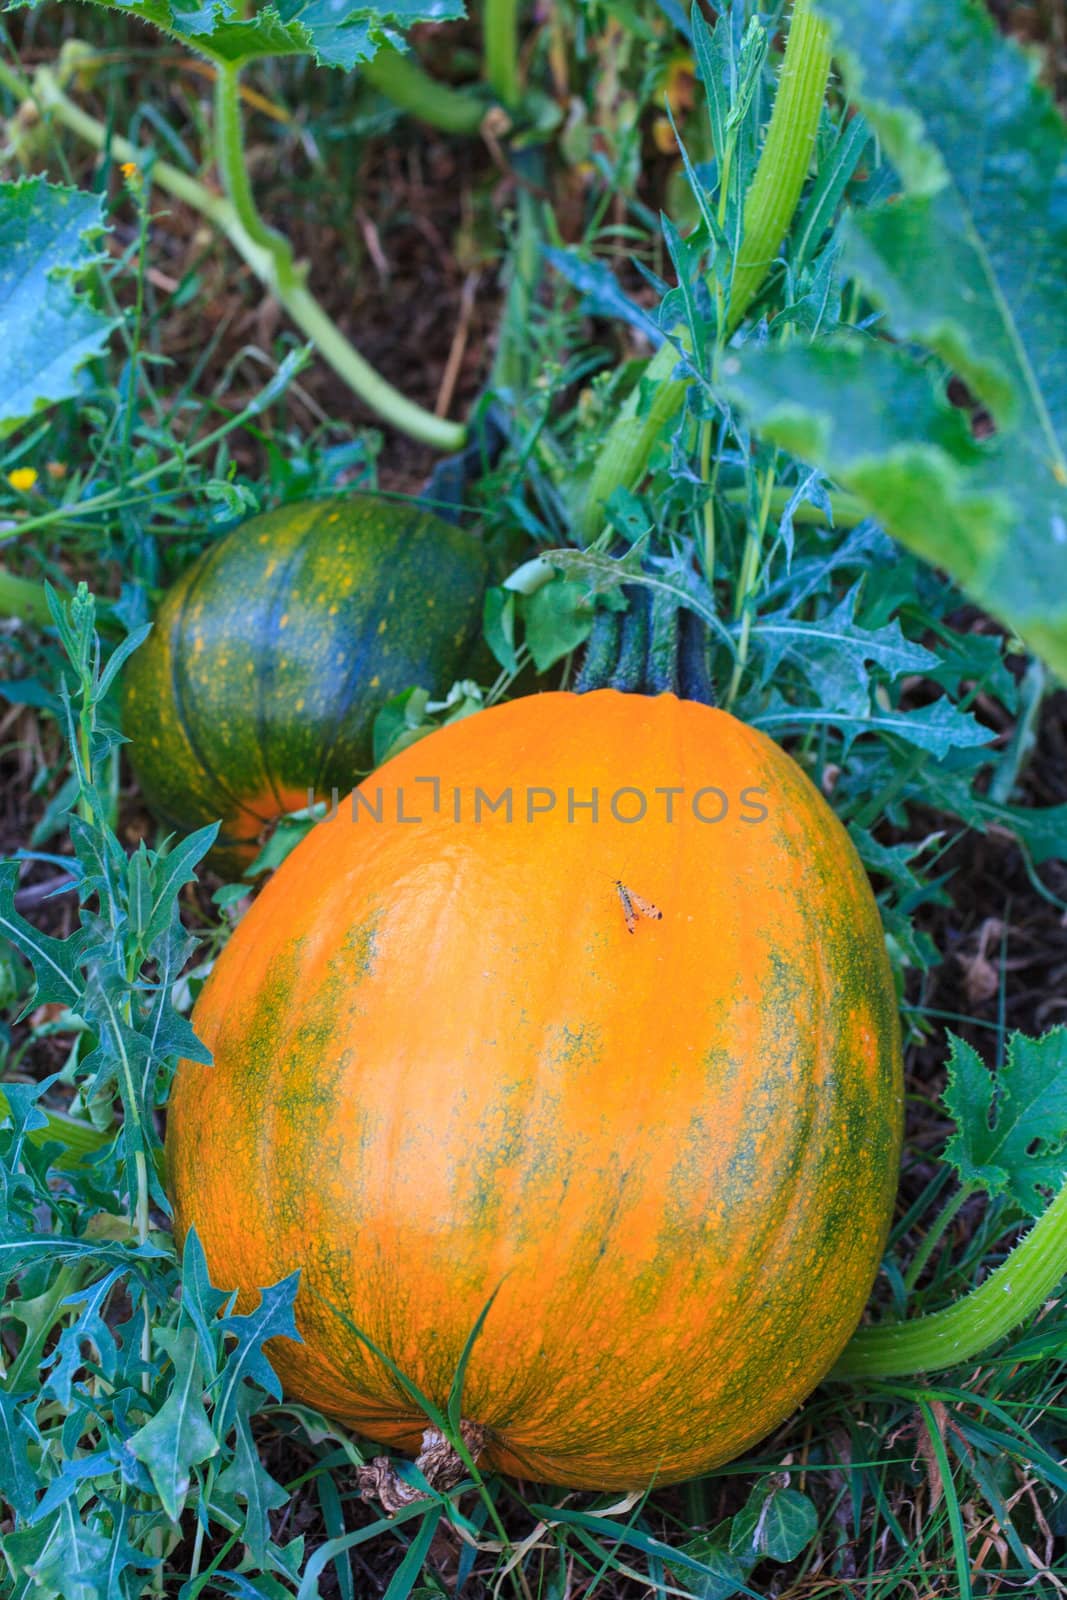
[
  {"x": 337, "y": 34},
  {"x": 971, "y": 261},
  {"x": 247, "y": 1479},
  {"x": 55, "y": 1553},
  {"x": 872, "y": 418},
  {"x": 724, "y": 1574},
  {"x": 48, "y": 328},
  {"x": 18, "y": 1435},
  {"x": 1011, "y": 1127},
  {"x": 498, "y": 625},
  {"x": 938, "y": 727},
  {"x": 558, "y": 617},
  {"x": 969, "y": 264},
  {"x": 56, "y": 962},
  {"x": 179, "y": 1436},
  {"x": 833, "y": 652},
  {"x": 272, "y": 1319},
  {"x": 775, "y": 1521}
]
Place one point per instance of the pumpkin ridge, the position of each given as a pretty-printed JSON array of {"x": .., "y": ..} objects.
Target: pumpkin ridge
[
  {"x": 179, "y": 688},
  {"x": 385, "y": 581},
  {"x": 285, "y": 582}
]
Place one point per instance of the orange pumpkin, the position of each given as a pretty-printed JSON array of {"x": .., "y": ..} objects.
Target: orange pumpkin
[{"x": 451, "y": 1061}]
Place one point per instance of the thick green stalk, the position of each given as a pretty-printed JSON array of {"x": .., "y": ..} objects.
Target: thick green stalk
[
  {"x": 769, "y": 207},
  {"x": 500, "y": 32},
  {"x": 785, "y": 158},
  {"x": 961, "y": 1332},
  {"x": 401, "y": 79},
  {"x": 233, "y": 168},
  {"x": 271, "y": 263}
]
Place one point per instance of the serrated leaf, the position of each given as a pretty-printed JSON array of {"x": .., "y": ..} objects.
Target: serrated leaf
[
  {"x": 18, "y": 1479},
  {"x": 1011, "y": 1126},
  {"x": 56, "y": 962},
  {"x": 90, "y": 1327},
  {"x": 833, "y": 651},
  {"x": 970, "y": 264},
  {"x": 48, "y": 328},
  {"x": 245, "y": 1478},
  {"x": 602, "y": 292},
  {"x": 938, "y": 727},
  {"x": 105, "y": 1575},
  {"x": 201, "y": 1302},
  {"x": 335, "y": 33},
  {"x": 179, "y": 1436},
  {"x": 271, "y": 1319},
  {"x": 54, "y": 1554}
]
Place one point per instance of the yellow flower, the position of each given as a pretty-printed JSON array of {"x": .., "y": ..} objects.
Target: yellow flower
[
  {"x": 129, "y": 169},
  {"x": 23, "y": 478}
]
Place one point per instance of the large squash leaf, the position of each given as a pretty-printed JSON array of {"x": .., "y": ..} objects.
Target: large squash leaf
[
  {"x": 336, "y": 32},
  {"x": 968, "y": 264},
  {"x": 48, "y": 328},
  {"x": 1011, "y": 1127}
]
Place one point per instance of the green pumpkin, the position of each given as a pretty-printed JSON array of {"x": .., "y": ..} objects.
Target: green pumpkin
[{"x": 274, "y": 652}]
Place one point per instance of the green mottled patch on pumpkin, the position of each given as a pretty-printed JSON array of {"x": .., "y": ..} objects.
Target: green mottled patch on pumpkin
[
  {"x": 359, "y": 951},
  {"x": 580, "y": 1045}
]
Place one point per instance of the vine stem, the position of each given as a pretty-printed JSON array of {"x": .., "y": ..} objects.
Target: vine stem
[
  {"x": 233, "y": 169},
  {"x": 746, "y": 584},
  {"x": 1011, "y": 1293},
  {"x": 769, "y": 207},
  {"x": 268, "y": 255},
  {"x": 501, "y": 46},
  {"x": 935, "y": 1233},
  {"x": 400, "y": 78}
]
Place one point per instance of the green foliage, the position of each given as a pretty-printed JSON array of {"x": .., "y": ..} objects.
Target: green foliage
[
  {"x": 335, "y": 35},
  {"x": 143, "y": 1443},
  {"x": 1011, "y": 1127},
  {"x": 776, "y": 1521},
  {"x": 968, "y": 266},
  {"x": 122, "y": 1382},
  {"x": 49, "y": 328}
]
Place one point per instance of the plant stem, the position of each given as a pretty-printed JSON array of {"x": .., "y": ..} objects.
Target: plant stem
[
  {"x": 400, "y": 78},
  {"x": 935, "y": 1233},
  {"x": 785, "y": 157},
  {"x": 269, "y": 267},
  {"x": 1011, "y": 1293},
  {"x": 233, "y": 169},
  {"x": 769, "y": 207},
  {"x": 746, "y": 584},
  {"x": 501, "y": 49}
]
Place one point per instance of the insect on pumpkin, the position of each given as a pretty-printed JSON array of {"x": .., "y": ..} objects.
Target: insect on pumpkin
[{"x": 635, "y": 905}]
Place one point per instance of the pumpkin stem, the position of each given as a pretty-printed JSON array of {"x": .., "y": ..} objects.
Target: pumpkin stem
[
  {"x": 654, "y": 646},
  {"x": 439, "y": 1462}
]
